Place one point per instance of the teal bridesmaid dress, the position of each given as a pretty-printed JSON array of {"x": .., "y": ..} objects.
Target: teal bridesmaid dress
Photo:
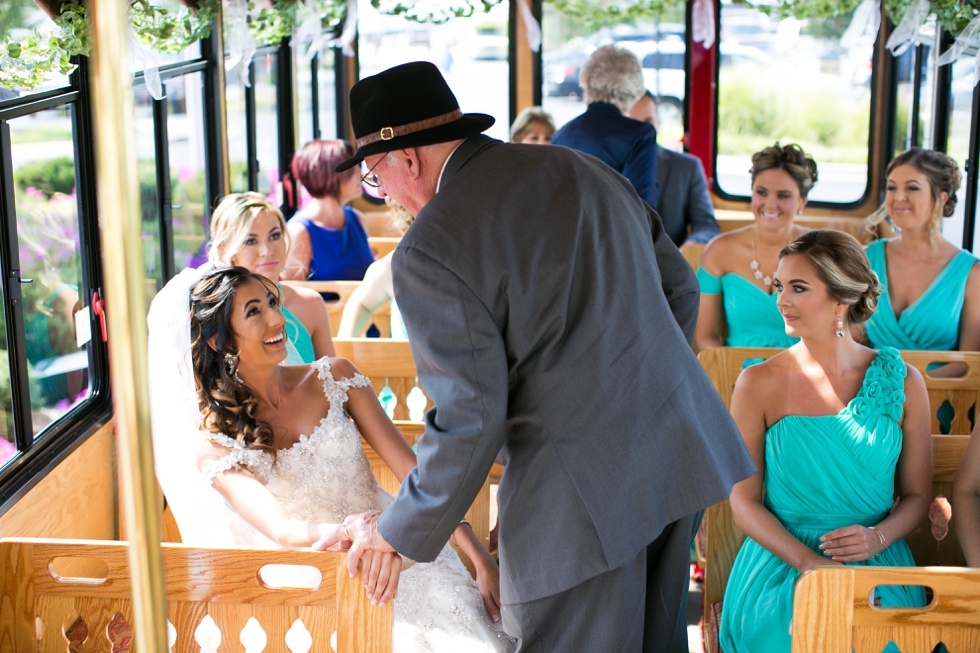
[
  {"x": 750, "y": 313},
  {"x": 299, "y": 345},
  {"x": 822, "y": 473},
  {"x": 932, "y": 322}
]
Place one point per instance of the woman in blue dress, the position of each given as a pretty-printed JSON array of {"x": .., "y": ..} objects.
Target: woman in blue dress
[
  {"x": 930, "y": 287},
  {"x": 248, "y": 230},
  {"x": 838, "y": 432},
  {"x": 736, "y": 273},
  {"x": 329, "y": 241}
]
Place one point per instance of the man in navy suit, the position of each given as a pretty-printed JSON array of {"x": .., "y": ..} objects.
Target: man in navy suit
[
  {"x": 684, "y": 205},
  {"x": 612, "y": 82}
]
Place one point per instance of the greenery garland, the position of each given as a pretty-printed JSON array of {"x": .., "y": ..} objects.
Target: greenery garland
[
  {"x": 172, "y": 33},
  {"x": 273, "y": 24},
  {"x": 596, "y": 14},
  {"x": 27, "y": 63},
  {"x": 953, "y": 15},
  {"x": 463, "y": 9},
  {"x": 803, "y": 9}
]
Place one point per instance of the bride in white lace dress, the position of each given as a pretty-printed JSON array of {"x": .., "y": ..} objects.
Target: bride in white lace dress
[{"x": 283, "y": 447}]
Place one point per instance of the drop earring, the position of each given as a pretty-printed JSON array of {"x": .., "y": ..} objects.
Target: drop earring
[
  {"x": 840, "y": 327},
  {"x": 231, "y": 365}
]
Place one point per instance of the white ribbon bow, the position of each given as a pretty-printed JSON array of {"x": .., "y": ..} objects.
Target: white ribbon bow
[
  {"x": 703, "y": 23},
  {"x": 241, "y": 43},
  {"x": 350, "y": 30},
  {"x": 904, "y": 35},
  {"x": 531, "y": 26},
  {"x": 864, "y": 24},
  {"x": 963, "y": 41}
]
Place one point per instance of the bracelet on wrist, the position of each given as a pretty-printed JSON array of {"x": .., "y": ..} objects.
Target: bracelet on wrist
[{"x": 881, "y": 541}]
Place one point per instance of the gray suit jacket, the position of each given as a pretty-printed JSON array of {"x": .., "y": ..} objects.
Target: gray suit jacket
[
  {"x": 550, "y": 318},
  {"x": 684, "y": 200}
]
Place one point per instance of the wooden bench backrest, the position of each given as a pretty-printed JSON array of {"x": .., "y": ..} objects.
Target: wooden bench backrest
[
  {"x": 381, "y": 246},
  {"x": 692, "y": 254},
  {"x": 962, "y": 393},
  {"x": 479, "y": 513},
  {"x": 381, "y": 317},
  {"x": 223, "y": 584},
  {"x": 722, "y": 539},
  {"x": 380, "y": 359},
  {"x": 832, "y": 614}
]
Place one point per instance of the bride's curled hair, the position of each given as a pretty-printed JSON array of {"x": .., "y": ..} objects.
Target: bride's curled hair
[
  {"x": 843, "y": 266},
  {"x": 227, "y": 405}
]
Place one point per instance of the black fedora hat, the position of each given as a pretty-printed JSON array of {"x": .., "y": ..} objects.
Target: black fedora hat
[{"x": 407, "y": 106}]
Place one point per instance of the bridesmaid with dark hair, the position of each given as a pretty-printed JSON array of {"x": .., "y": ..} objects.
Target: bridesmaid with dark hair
[{"x": 737, "y": 268}]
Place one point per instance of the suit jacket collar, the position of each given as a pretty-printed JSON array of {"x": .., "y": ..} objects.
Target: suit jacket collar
[{"x": 468, "y": 149}]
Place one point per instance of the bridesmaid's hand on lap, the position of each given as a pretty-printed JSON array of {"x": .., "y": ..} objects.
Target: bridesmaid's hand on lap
[{"x": 850, "y": 544}]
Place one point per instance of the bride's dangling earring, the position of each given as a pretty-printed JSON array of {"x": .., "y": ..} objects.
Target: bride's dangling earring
[
  {"x": 231, "y": 365},
  {"x": 840, "y": 327}
]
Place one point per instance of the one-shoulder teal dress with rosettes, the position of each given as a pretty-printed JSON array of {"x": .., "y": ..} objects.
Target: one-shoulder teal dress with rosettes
[
  {"x": 932, "y": 322},
  {"x": 821, "y": 473},
  {"x": 750, "y": 313}
]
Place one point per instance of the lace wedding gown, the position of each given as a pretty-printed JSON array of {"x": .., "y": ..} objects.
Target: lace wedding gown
[{"x": 324, "y": 478}]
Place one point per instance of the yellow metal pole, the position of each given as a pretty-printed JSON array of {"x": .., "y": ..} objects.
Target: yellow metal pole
[{"x": 122, "y": 260}]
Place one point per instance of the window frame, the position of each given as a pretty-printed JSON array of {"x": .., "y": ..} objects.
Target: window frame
[
  {"x": 874, "y": 100},
  {"x": 36, "y": 457}
]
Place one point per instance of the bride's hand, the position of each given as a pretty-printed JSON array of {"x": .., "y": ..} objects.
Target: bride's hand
[
  {"x": 488, "y": 582},
  {"x": 381, "y": 572},
  {"x": 330, "y": 537}
]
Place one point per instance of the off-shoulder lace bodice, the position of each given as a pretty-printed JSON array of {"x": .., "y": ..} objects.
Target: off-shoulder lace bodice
[{"x": 325, "y": 477}]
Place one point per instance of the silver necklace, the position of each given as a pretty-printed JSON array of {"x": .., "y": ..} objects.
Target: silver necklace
[{"x": 754, "y": 264}]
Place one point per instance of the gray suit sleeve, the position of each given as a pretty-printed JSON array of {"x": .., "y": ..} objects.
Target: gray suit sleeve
[
  {"x": 679, "y": 282},
  {"x": 460, "y": 357},
  {"x": 700, "y": 211}
]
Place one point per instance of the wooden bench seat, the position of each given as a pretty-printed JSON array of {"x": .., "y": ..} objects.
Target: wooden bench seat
[
  {"x": 832, "y": 614},
  {"x": 53, "y": 592},
  {"x": 720, "y": 539}
]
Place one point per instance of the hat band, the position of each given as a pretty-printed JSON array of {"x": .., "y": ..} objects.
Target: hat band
[{"x": 388, "y": 133}]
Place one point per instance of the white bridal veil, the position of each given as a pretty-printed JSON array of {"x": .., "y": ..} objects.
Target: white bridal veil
[{"x": 202, "y": 515}]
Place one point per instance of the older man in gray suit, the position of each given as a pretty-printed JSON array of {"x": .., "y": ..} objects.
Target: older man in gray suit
[
  {"x": 550, "y": 319},
  {"x": 684, "y": 204}
]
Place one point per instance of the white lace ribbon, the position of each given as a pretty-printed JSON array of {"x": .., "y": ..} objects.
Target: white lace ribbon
[
  {"x": 531, "y": 26},
  {"x": 350, "y": 30},
  {"x": 864, "y": 24},
  {"x": 966, "y": 38},
  {"x": 241, "y": 44},
  {"x": 703, "y": 22},
  {"x": 904, "y": 35},
  {"x": 310, "y": 29},
  {"x": 148, "y": 60}
]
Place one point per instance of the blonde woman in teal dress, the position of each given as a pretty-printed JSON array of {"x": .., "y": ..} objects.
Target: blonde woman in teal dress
[
  {"x": 248, "y": 230},
  {"x": 838, "y": 432},
  {"x": 736, "y": 273},
  {"x": 930, "y": 288}
]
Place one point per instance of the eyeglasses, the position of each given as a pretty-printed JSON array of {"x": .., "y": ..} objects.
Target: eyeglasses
[{"x": 370, "y": 179}]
